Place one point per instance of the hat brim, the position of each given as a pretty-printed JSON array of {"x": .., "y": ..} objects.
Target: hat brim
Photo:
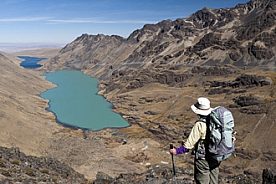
[{"x": 200, "y": 111}]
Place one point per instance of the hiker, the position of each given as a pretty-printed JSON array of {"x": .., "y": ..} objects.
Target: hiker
[{"x": 206, "y": 169}]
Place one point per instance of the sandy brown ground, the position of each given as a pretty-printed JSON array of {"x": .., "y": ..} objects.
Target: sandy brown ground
[{"x": 24, "y": 121}]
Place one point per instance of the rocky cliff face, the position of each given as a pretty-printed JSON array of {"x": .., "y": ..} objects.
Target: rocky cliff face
[{"x": 153, "y": 76}]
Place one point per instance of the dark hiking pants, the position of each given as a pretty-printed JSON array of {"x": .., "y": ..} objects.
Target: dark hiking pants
[{"x": 206, "y": 172}]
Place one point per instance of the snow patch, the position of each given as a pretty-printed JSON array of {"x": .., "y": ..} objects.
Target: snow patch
[{"x": 190, "y": 22}]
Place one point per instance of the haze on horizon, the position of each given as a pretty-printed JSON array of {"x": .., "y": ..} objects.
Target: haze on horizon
[{"x": 51, "y": 21}]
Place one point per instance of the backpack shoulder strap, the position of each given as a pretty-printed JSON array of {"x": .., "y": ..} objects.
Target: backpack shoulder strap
[{"x": 203, "y": 119}]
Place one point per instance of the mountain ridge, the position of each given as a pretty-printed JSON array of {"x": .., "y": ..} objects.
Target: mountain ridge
[{"x": 208, "y": 37}]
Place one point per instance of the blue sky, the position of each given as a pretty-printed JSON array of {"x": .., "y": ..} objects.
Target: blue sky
[{"x": 61, "y": 21}]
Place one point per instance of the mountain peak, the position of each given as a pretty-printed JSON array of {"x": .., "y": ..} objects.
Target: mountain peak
[{"x": 257, "y": 4}]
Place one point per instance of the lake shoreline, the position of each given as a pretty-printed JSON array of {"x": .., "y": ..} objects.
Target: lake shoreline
[
  {"x": 65, "y": 125},
  {"x": 74, "y": 127}
]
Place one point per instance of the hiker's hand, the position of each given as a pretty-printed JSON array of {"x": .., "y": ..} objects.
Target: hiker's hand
[
  {"x": 179, "y": 150},
  {"x": 173, "y": 151}
]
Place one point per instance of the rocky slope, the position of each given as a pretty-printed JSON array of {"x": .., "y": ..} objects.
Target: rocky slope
[
  {"x": 16, "y": 167},
  {"x": 164, "y": 175},
  {"x": 154, "y": 75}
]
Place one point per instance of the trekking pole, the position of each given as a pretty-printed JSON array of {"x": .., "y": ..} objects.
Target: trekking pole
[{"x": 171, "y": 147}]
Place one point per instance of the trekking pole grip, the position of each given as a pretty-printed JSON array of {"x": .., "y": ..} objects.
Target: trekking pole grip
[
  {"x": 171, "y": 146},
  {"x": 174, "y": 172}
]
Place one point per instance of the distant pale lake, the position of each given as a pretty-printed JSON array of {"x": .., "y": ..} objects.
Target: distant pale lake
[
  {"x": 30, "y": 62},
  {"x": 76, "y": 103}
]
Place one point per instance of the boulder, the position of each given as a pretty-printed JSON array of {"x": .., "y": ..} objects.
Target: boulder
[{"x": 268, "y": 177}]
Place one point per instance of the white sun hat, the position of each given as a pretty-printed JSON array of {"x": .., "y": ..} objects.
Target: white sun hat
[{"x": 202, "y": 107}]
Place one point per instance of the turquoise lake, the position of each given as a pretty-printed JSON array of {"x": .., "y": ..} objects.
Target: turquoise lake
[{"x": 76, "y": 103}]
